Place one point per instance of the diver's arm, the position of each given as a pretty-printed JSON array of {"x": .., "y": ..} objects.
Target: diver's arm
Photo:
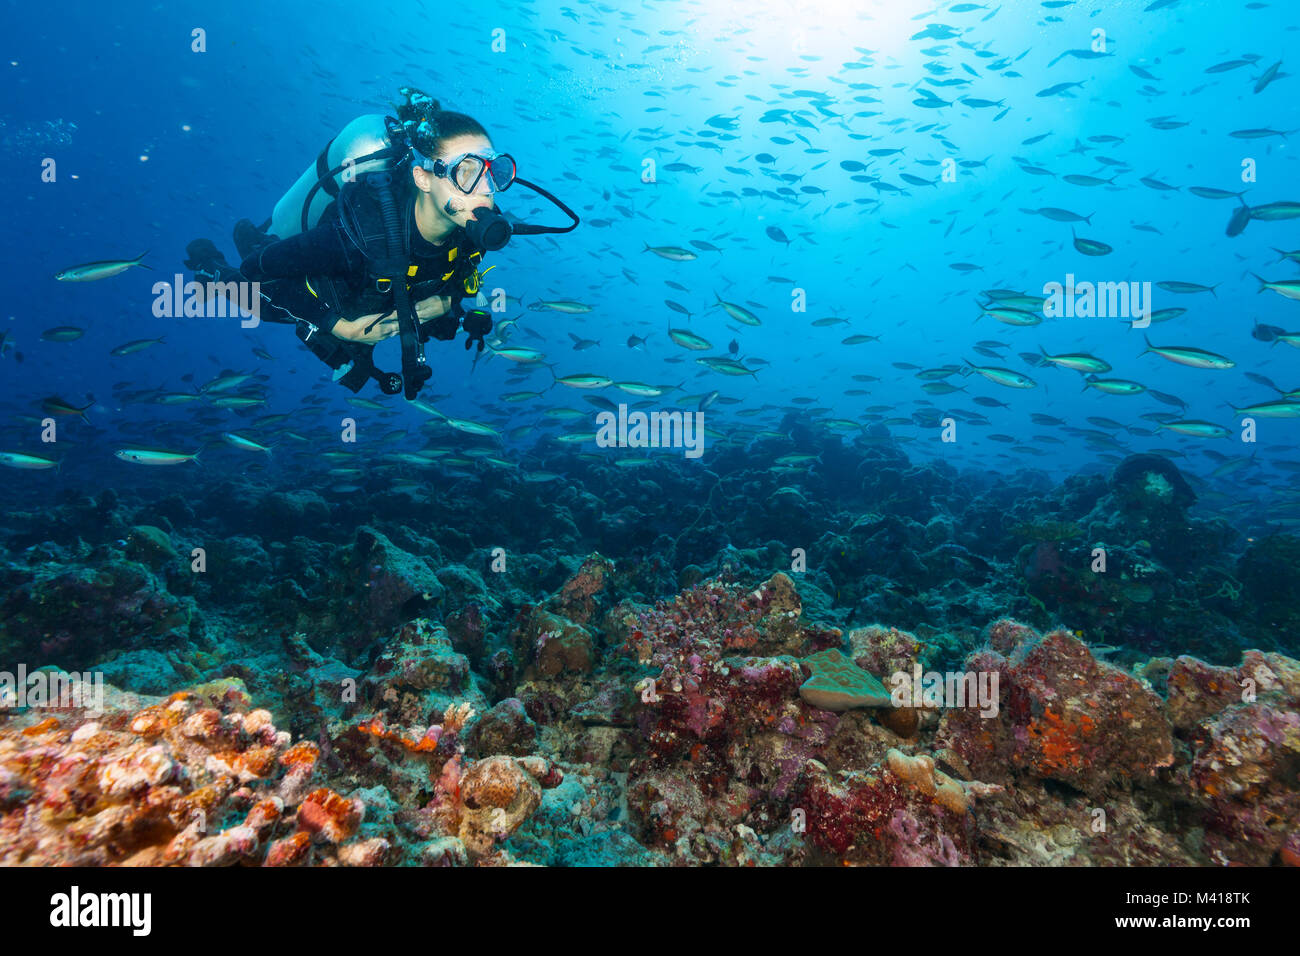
[{"x": 319, "y": 251}]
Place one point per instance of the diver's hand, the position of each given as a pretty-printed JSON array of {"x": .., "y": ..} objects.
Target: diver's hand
[
  {"x": 432, "y": 307},
  {"x": 369, "y": 329},
  {"x": 369, "y": 332}
]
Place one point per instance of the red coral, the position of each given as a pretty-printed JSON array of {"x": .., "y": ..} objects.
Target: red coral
[{"x": 333, "y": 817}]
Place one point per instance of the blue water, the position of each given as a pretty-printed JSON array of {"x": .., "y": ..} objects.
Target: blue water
[{"x": 171, "y": 144}]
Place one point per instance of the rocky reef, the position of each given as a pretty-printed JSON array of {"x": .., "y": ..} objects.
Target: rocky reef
[
  {"x": 719, "y": 727},
  {"x": 870, "y": 662}
]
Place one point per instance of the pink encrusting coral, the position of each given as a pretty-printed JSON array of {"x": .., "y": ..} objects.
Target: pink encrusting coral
[
  {"x": 195, "y": 779},
  {"x": 200, "y": 779}
]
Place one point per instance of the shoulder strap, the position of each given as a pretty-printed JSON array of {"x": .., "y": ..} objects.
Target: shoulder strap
[
  {"x": 393, "y": 267},
  {"x": 323, "y": 176}
]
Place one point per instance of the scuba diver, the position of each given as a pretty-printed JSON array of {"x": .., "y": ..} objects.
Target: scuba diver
[{"x": 382, "y": 236}]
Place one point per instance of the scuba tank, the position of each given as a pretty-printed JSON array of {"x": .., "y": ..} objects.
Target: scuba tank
[{"x": 315, "y": 189}]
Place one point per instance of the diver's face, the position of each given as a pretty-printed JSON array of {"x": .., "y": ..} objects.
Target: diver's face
[{"x": 453, "y": 205}]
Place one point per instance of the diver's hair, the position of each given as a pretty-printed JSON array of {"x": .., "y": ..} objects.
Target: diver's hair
[{"x": 428, "y": 125}]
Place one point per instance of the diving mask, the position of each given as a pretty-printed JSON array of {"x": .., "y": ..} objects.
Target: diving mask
[{"x": 468, "y": 169}]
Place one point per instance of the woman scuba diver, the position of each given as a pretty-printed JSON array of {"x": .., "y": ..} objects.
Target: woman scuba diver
[{"x": 389, "y": 252}]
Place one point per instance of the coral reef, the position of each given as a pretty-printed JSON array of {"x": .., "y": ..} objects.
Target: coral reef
[{"x": 1111, "y": 682}]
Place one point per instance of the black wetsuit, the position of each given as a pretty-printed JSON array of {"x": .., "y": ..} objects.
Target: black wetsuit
[
  {"x": 339, "y": 269},
  {"x": 327, "y": 252}
]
